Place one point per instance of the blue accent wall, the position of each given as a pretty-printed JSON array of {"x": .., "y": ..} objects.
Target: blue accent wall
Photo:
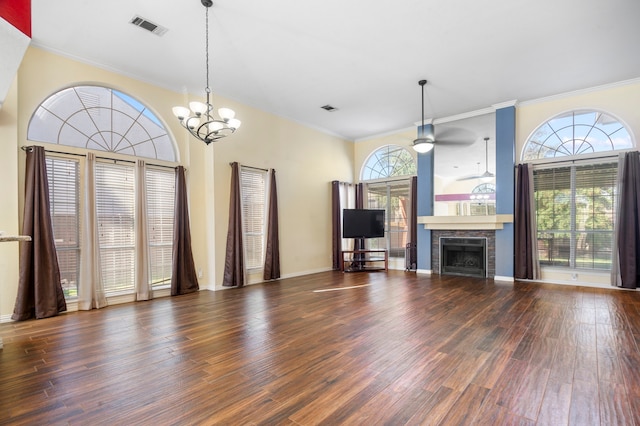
[
  {"x": 425, "y": 202},
  {"x": 505, "y": 188}
]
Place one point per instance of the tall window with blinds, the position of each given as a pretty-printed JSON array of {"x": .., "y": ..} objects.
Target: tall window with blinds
[
  {"x": 115, "y": 207},
  {"x": 62, "y": 175},
  {"x": 161, "y": 188},
  {"x": 575, "y": 215},
  {"x": 253, "y": 184}
]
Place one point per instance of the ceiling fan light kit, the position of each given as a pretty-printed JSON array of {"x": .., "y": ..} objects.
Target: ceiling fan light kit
[{"x": 422, "y": 144}]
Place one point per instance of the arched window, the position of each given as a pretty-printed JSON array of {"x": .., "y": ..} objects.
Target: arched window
[
  {"x": 388, "y": 161},
  {"x": 575, "y": 201},
  {"x": 101, "y": 119},
  {"x": 390, "y": 169},
  {"x": 577, "y": 133}
]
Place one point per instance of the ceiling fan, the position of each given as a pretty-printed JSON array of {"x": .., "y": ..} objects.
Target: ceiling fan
[{"x": 487, "y": 174}]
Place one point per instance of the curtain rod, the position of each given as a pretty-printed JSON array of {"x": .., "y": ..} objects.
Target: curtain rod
[
  {"x": 29, "y": 148},
  {"x": 250, "y": 167}
]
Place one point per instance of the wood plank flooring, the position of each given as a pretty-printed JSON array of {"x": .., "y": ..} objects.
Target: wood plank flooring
[{"x": 398, "y": 348}]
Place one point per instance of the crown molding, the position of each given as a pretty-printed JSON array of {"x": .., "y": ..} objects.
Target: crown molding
[{"x": 581, "y": 92}]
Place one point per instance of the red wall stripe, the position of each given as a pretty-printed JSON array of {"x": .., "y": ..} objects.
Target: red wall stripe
[{"x": 18, "y": 14}]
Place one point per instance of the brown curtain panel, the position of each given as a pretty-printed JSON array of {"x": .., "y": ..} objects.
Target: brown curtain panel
[
  {"x": 234, "y": 257},
  {"x": 629, "y": 224},
  {"x": 524, "y": 240},
  {"x": 39, "y": 290},
  {"x": 184, "y": 278},
  {"x": 272, "y": 253},
  {"x": 336, "y": 232}
]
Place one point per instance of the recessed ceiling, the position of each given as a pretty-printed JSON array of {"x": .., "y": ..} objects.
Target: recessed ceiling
[{"x": 292, "y": 57}]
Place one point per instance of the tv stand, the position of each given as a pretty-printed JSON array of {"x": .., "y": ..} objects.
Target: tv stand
[{"x": 366, "y": 261}]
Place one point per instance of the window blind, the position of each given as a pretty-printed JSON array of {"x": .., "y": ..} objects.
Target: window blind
[
  {"x": 115, "y": 201},
  {"x": 62, "y": 175},
  {"x": 253, "y": 194},
  {"x": 575, "y": 214},
  {"x": 160, "y": 214}
]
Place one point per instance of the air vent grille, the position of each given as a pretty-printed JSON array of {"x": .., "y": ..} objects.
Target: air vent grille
[
  {"x": 329, "y": 108},
  {"x": 148, "y": 25}
]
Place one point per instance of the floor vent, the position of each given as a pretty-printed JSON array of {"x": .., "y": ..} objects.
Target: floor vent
[{"x": 148, "y": 25}]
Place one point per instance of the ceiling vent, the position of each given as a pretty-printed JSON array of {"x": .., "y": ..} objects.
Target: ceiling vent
[
  {"x": 329, "y": 108},
  {"x": 148, "y": 25}
]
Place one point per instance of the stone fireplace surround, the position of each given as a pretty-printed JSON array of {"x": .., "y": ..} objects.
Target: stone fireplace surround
[{"x": 465, "y": 233}]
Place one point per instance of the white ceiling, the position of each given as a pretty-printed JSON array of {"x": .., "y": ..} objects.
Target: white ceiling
[{"x": 364, "y": 57}]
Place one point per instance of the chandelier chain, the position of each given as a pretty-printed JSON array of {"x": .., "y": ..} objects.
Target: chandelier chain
[{"x": 206, "y": 54}]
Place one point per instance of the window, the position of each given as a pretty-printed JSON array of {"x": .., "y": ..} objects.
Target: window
[
  {"x": 62, "y": 175},
  {"x": 160, "y": 213},
  {"x": 101, "y": 119},
  {"x": 575, "y": 200},
  {"x": 115, "y": 208},
  {"x": 388, "y": 161},
  {"x": 577, "y": 133},
  {"x": 253, "y": 189},
  {"x": 107, "y": 120},
  {"x": 393, "y": 197},
  {"x": 575, "y": 215}
]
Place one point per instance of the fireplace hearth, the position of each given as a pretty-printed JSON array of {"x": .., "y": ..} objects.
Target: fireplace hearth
[{"x": 463, "y": 256}]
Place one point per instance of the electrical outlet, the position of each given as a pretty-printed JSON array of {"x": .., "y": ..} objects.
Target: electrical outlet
[
  {"x": 574, "y": 276},
  {"x": 199, "y": 272}
]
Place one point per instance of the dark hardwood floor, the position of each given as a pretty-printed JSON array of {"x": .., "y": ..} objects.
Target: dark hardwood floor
[{"x": 401, "y": 349}]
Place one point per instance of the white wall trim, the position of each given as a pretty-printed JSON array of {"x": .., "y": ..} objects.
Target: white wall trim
[
  {"x": 424, "y": 271},
  {"x": 504, "y": 279}
]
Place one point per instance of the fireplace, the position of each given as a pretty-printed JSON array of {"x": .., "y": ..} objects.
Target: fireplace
[{"x": 463, "y": 256}]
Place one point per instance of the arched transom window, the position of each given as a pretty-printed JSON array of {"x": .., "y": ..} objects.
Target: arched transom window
[
  {"x": 101, "y": 119},
  {"x": 388, "y": 161},
  {"x": 577, "y": 133}
]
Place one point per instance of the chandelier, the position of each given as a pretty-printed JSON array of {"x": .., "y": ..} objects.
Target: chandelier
[
  {"x": 423, "y": 144},
  {"x": 199, "y": 118}
]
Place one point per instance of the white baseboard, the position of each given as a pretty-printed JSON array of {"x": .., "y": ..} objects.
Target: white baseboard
[
  {"x": 424, "y": 271},
  {"x": 5, "y": 318},
  {"x": 506, "y": 279}
]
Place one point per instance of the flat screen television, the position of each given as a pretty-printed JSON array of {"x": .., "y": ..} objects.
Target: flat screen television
[{"x": 362, "y": 223}]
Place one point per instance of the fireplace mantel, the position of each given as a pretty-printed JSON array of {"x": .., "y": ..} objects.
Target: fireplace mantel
[{"x": 465, "y": 222}]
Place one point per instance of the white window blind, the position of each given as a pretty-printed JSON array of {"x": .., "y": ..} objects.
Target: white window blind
[
  {"x": 115, "y": 198},
  {"x": 62, "y": 175},
  {"x": 160, "y": 214},
  {"x": 253, "y": 190},
  {"x": 575, "y": 215}
]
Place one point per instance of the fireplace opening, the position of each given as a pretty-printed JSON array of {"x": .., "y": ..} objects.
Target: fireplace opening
[{"x": 463, "y": 256}]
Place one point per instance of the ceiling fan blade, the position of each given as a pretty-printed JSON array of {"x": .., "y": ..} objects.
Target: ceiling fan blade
[
  {"x": 454, "y": 135},
  {"x": 470, "y": 177}
]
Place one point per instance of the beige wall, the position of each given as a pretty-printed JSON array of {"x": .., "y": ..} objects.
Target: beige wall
[
  {"x": 305, "y": 161},
  {"x": 9, "y": 200}
]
